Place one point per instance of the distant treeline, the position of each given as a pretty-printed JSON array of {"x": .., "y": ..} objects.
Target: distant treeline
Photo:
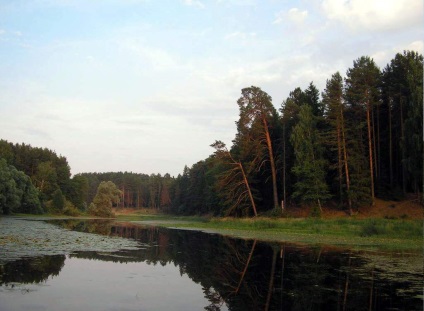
[{"x": 358, "y": 139}]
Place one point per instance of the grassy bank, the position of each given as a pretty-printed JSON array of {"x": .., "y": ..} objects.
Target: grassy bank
[{"x": 361, "y": 233}]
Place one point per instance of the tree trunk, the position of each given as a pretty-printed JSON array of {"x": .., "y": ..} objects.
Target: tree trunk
[
  {"x": 339, "y": 160},
  {"x": 272, "y": 162},
  {"x": 138, "y": 198},
  {"x": 345, "y": 160},
  {"x": 402, "y": 139},
  {"x": 248, "y": 189},
  {"x": 370, "y": 150},
  {"x": 123, "y": 196},
  {"x": 374, "y": 146}
]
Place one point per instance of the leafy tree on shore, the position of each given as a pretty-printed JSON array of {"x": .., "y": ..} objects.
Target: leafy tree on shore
[
  {"x": 107, "y": 195},
  {"x": 58, "y": 201},
  {"x": 17, "y": 194}
]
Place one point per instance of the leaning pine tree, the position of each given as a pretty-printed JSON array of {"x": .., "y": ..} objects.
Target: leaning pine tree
[
  {"x": 233, "y": 183},
  {"x": 310, "y": 186}
]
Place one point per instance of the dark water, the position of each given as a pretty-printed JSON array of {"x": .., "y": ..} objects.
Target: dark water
[{"x": 187, "y": 270}]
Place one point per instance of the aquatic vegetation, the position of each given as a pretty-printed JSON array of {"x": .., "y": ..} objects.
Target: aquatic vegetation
[{"x": 28, "y": 238}]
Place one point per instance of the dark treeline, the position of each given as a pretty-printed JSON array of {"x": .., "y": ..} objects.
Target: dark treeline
[{"x": 358, "y": 139}]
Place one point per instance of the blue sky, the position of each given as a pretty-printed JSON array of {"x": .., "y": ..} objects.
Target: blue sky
[{"x": 146, "y": 86}]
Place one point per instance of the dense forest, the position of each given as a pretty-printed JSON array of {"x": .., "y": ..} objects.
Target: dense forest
[{"x": 359, "y": 139}]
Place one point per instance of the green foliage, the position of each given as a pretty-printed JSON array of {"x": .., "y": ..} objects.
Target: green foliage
[
  {"x": 17, "y": 194},
  {"x": 309, "y": 162},
  {"x": 58, "y": 201},
  {"x": 70, "y": 210},
  {"x": 107, "y": 195},
  {"x": 46, "y": 169},
  {"x": 79, "y": 187}
]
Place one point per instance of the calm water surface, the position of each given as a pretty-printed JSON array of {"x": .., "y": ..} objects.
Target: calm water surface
[{"x": 163, "y": 269}]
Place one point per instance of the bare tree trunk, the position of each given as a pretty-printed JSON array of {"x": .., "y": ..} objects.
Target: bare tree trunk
[
  {"x": 138, "y": 198},
  {"x": 246, "y": 182},
  {"x": 272, "y": 162},
  {"x": 345, "y": 160},
  {"x": 252, "y": 201},
  {"x": 374, "y": 145},
  {"x": 123, "y": 196},
  {"x": 402, "y": 131},
  {"x": 370, "y": 151},
  {"x": 339, "y": 160}
]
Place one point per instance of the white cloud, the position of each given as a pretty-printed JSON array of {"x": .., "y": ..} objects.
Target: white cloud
[{"x": 380, "y": 15}]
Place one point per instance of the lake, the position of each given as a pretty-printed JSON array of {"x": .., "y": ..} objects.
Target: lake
[{"x": 107, "y": 265}]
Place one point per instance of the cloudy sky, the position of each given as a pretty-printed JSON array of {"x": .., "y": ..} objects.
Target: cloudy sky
[{"x": 147, "y": 86}]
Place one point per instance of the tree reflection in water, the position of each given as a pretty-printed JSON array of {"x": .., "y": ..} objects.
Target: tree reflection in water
[{"x": 252, "y": 275}]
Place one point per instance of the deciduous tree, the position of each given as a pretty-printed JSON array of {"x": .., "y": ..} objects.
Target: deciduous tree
[{"x": 107, "y": 195}]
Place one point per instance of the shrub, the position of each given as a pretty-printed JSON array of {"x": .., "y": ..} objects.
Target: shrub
[
  {"x": 58, "y": 201},
  {"x": 70, "y": 209}
]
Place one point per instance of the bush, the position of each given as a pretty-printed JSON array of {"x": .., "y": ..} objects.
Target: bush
[
  {"x": 70, "y": 209},
  {"x": 58, "y": 200},
  {"x": 100, "y": 210}
]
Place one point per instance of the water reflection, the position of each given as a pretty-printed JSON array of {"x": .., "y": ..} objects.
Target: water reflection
[{"x": 251, "y": 275}]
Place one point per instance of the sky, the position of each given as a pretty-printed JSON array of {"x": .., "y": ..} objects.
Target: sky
[{"x": 146, "y": 86}]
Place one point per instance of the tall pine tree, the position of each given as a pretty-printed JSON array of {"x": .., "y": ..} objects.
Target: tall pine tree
[{"x": 309, "y": 166}]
